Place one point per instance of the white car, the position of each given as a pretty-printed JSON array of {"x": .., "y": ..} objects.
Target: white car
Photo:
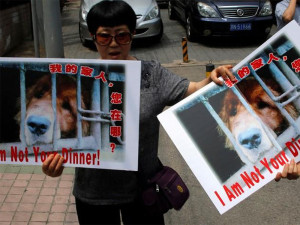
[{"x": 148, "y": 19}]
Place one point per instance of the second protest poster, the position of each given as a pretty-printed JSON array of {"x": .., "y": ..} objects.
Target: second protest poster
[{"x": 236, "y": 137}]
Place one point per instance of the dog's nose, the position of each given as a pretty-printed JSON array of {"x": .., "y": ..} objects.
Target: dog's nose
[
  {"x": 38, "y": 125},
  {"x": 251, "y": 138}
]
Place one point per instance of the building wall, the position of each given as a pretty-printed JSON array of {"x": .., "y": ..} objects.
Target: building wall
[{"x": 15, "y": 27}]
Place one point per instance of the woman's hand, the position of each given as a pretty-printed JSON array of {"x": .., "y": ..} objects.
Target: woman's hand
[
  {"x": 53, "y": 165},
  {"x": 224, "y": 72},
  {"x": 290, "y": 171}
]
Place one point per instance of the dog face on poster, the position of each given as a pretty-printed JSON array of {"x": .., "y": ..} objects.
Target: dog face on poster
[
  {"x": 40, "y": 117},
  {"x": 248, "y": 132}
]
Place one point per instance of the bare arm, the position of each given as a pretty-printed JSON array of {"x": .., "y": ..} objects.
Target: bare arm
[
  {"x": 289, "y": 13},
  {"x": 223, "y": 71}
]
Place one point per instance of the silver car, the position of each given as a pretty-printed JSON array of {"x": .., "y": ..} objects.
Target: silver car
[{"x": 149, "y": 23}]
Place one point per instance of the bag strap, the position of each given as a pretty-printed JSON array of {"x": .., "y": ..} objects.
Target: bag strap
[
  {"x": 158, "y": 175},
  {"x": 161, "y": 180},
  {"x": 144, "y": 176}
]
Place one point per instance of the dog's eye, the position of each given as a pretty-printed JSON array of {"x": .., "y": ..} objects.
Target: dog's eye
[
  {"x": 39, "y": 94},
  {"x": 262, "y": 104},
  {"x": 66, "y": 105},
  {"x": 233, "y": 111}
]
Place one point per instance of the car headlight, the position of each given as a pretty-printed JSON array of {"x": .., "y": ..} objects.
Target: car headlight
[
  {"x": 206, "y": 11},
  {"x": 266, "y": 10},
  {"x": 153, "y": 13}
]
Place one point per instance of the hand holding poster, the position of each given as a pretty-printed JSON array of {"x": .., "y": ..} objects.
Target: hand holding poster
[
  {"x": 236, "y": 137},
  {"x": 86, "y": 110}
]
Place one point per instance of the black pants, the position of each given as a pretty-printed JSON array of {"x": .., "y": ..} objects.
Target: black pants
[{"x": 131, "y": 213}]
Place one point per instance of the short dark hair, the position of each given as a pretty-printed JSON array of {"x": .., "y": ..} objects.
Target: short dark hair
[{"x": 109, "y": 14}]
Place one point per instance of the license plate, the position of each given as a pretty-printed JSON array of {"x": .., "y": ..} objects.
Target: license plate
[{"x": 240, "y": 26}]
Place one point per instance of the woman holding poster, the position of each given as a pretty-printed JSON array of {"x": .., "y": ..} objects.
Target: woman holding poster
[{"x": 101, "y": 195}]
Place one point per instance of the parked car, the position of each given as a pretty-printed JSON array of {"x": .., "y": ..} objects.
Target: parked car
[
  {"x": 204, "y": 18},
  {"x": 149, "y": 22}
]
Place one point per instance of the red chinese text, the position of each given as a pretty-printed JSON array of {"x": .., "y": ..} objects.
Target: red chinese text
[
  {"x": 257, "y": 64},
  {"x": 243, "y": 72},
  {"x": 86, "y": 71},
  {"x": 115, "y": 131},
  {"x": 116, "y": 115},
  {"x": 101, "y": 76},
  {"x": 71, "y": 68},
  {"x": 230, "y": 83},
  {"x": 296, "y": 65},
  {"x": 116, "y": 98},
  {"x": 55, "y": 68},
  {"x": 272, "y": 57}
]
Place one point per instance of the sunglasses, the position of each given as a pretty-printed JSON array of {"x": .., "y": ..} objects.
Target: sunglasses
[{"x": 123, "y": 38}]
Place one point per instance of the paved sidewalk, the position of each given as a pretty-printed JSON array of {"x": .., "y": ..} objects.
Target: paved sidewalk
[{"x": 32, "y": 198}]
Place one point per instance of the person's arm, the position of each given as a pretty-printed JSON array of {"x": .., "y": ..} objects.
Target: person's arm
[
  {"x": 289, "y": 13},
  {"x": 53, "y": 165},
  {"x": 223, "y": 71},
  {"x": 290, "y": 171}
]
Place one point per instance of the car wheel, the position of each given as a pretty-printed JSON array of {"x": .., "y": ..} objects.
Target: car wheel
[
  {"x": 159, "y": 36},
  {"x": 190, "y": 33},
  {"x": 264, "y": 37},
  {"x": 171, "y": 13}
]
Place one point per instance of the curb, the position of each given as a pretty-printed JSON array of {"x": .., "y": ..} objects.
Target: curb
[{"x": 195, "y": 63}]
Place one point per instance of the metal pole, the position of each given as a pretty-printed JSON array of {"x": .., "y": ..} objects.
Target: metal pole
[
  {"x": 209, "y": 67},
  {"x": 35, "y": 29},
  {"x": 184, "y": 50},
  {"x": 53, "y": 29}
]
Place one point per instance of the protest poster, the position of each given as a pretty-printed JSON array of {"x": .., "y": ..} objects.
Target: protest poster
[
  {"x": 85, "y": 110},
  {"x": 236, "y": 137}
]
